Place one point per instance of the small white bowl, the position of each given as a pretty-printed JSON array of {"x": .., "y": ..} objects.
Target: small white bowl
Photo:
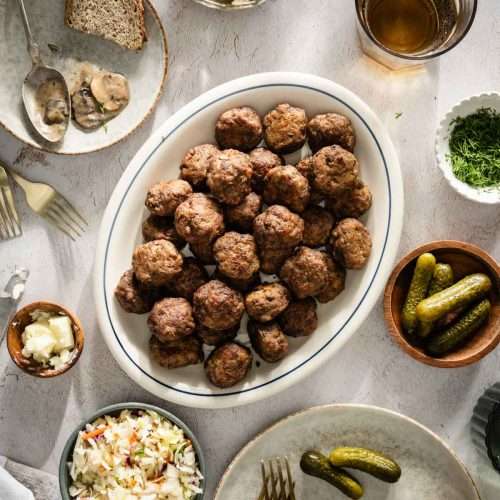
[{"x": 464, "y": 108}]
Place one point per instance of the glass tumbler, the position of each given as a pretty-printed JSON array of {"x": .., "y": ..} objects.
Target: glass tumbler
[
  {"x": 230, "y": 4},
  {"x": 448, "y": 34}
]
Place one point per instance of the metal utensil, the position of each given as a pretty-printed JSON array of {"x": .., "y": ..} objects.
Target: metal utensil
[
  {"x": 10, "y": 225},
  {"x": 10, "y": 297},
  {"x": 277, "y": 482},
  {"x": 37, "y": 76},
  {"x": 52, "y": 206}
]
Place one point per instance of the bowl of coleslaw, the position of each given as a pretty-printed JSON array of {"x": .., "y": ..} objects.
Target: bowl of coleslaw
[{"x": 132, "y": 451}]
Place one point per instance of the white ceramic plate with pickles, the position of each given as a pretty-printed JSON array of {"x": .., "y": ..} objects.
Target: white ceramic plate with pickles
[
  {"x": 127, "y": 335},
  {"x": 430, "y": 470}
]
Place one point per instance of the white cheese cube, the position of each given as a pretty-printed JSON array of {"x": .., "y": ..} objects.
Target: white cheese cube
[{"x": 61, "y": 326}]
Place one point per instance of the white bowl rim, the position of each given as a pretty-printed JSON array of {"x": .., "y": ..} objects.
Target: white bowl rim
[
  {"x": 488, "y": 196},
  {"x": 342, "y": 406},
  {"x": 359, "y": 314}
]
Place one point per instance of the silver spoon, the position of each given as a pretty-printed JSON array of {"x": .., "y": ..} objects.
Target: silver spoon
[{"x": 41, "y": 114}]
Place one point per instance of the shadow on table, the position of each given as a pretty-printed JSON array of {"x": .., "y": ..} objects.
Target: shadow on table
[{"x": 33, "y": 411}]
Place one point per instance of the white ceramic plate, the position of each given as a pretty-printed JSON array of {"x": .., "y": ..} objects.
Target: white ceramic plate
[
  {"x": 430, "y": 470},
  {"x": 126, "y": 335},
  {"x": 146, "y": 71},
  {"x": 464, "y": 108}
]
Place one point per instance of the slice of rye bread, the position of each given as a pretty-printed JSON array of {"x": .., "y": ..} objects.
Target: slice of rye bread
[{"x": 121, "y": 21}]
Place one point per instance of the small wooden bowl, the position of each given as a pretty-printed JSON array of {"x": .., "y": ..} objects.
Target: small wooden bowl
[
  {"x": 465, "y": 259},
  {"x": 15, "y": 343}
]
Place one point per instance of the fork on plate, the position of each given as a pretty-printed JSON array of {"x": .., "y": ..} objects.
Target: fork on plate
[
  {"x": 277, "y": 482},
  {"x": 10, "y": 225},
  {"x": 52, "y": 206}
]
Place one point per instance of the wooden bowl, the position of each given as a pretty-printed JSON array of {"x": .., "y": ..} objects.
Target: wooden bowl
[
  {"x": 465, "y": 259},
  {"x": 15, "y": 344}
]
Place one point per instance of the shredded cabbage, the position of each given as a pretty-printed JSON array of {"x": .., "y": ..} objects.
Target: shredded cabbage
[{"x": 138, "y": 455}]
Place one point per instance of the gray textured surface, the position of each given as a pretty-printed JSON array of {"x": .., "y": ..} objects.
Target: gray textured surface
[{"x": 208, "y": 48}]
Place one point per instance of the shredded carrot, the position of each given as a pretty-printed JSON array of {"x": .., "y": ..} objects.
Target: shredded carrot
[
  {"x": 133, "y": 438},
  {"x": 93, "y": 434},
  {"x": 158, "y": 479}
]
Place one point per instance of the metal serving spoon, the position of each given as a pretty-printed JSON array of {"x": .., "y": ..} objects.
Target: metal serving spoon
[{"x": 38, "y": 75}]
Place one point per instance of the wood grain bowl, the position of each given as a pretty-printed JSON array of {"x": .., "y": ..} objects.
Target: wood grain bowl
[
  {"x": 15, "y": 344},
  {"x": 465, "y": 259}
]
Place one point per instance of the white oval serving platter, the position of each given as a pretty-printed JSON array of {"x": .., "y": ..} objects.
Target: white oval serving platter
[{"x": 160, "y": 157}]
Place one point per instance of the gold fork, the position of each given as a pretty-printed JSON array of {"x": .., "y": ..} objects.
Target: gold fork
[
  {"x": 277, "y": 482},
  {"x": 52, "y": 206},
  {"x": 10, "y": 226}
]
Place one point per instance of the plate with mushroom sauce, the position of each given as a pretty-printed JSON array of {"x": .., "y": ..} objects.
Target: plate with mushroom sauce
[
  {"x": 210, "y": 336},
  {"x": 114, "y": 85}
]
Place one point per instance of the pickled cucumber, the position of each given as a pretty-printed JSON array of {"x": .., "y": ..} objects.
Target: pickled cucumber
[
  {"x": 372, "y": 462},
  {"x": 418, "y": 291},
  {"x": 316, "y": 464},
  {"x": 461, "y": 330},
  {"x": 462, "y": 293},
  {"x": 442, "y": 278}
]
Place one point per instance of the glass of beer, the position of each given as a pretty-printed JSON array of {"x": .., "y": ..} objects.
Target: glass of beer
[{"x": 403, "y": 33}]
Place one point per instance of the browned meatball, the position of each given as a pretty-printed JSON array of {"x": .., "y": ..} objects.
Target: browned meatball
[
  {"x": 335, "y": 170},
  {"x": 335, "y": 281},
  {"x": 216, "y": 337},
  {"x": 228, "y": 364},
  {"x": 271, "y": 259},
  {"x": 262, "y": 161},
  {"x": 267, "y": 301},
  {"x": 268, "y": 340},
  {"x": 199, "y": 219},
  {"x": 300, "y": 318},
  {"x": 133, "y": 297},
  {"x": 171, "y": 319},
  {"x": 318, "y": 224},
  {"x": 329, "y": 129},
  {"x": 277, "y": 227},
  {"x": 161, "y": 228},
  {"x": 155, "y": 263},
  {"x": 192, "y": 276},
  {"x": 242, "y": 285},
  {"x": 203, "y": 252},
  {"x": 165, "y": 196},
  {"x": 305, "y": 168},
  {"x": 305, "y": 272},
  {"x": 195, "y": 164},
  {"x": 284, "y": 185},
  {"x": 351, "y": 243},
  {"x": 236, "y": 255},
  {"x": 352, "y": 203},
  {"x": 285, "y": 129},
  {"x": 217, "y": 306},
  {"x": 241, "y": 216},
  {"x": 239, "y": 128},
  {"x": 184, "y": 352},
  {"x": 229, "y": 176}
]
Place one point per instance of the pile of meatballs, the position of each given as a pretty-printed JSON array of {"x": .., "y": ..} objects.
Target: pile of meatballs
[{"x": 241, "y": 208}]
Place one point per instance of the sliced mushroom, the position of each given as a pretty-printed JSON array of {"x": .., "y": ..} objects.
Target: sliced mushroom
[
  {"x": 85, "y": 109},
  {"x": 111, "y": 91}
]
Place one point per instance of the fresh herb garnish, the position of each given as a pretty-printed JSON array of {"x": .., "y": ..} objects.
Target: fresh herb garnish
[
  {"x": 398, "y": 115},
  {"x": 475, "y": 148}
]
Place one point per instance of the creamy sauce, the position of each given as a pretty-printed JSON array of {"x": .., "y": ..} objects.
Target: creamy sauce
[
  {"x": 50, "y": 100},
  {"x": 97, "y": 96}
]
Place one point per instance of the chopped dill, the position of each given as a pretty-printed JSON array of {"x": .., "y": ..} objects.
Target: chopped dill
[
  {"x": 475, "y": 148},
  {"x": 398, "y": 115}
]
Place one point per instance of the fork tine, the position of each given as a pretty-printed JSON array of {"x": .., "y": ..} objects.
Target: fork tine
[
  {"x": 7, "y": 222},
  {"x": 11, "y": 209},
  {"x": 282, "y": 494},
  {"x": 68, "y": 214},
  {"x": 291, "y": 484},
  {"x": 4, "y": 235},
  {"x": 59, "y": 214},
  {"x": 70, "y": 207},
  {"x": 274, "y": 481},
  {"x": 265, "y": 491},
  {"x": 53, "y": 220}
]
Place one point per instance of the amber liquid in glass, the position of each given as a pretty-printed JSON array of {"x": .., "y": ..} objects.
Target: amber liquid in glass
[{"x": 410, "y": 26}]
